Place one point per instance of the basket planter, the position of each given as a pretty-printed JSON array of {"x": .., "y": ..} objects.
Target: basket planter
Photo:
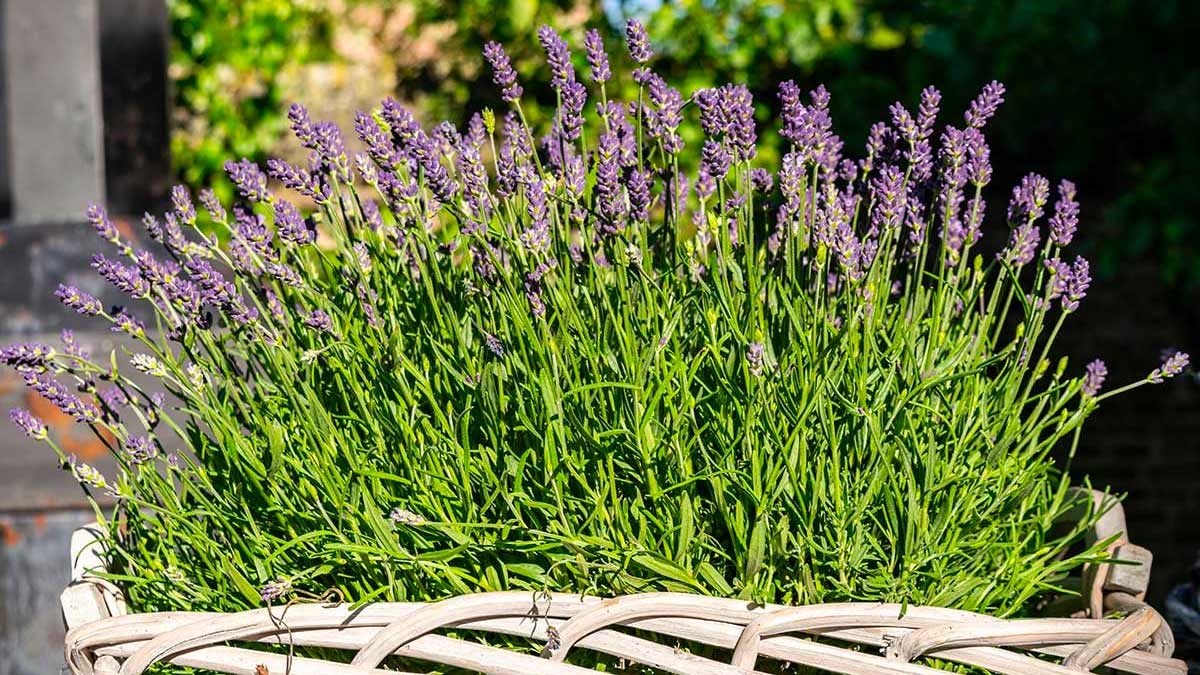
[{"x": 104, "y": 639}]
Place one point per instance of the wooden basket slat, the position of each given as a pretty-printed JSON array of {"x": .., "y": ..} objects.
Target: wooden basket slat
[{"x": 102, "y": 635}]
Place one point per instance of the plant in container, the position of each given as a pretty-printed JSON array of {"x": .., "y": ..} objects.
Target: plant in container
[{"x": 551, "y": 361}]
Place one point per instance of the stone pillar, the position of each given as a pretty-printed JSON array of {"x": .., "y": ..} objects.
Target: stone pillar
[{"x": 52, "y": 107}]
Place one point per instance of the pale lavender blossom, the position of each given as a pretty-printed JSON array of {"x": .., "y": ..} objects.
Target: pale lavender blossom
[
  {"x": 1097, "y": 371},
  {"x": 28, "y": 423},
  {"x": 1171, "y": 367}
]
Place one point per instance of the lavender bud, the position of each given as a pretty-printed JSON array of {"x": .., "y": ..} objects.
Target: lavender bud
[
  {"x": 1078, "y": 284},
  {"x": 126, "y": 323},
  {"x": 140, "y": 449},
  {"x": 985, "y": 105},
  {"x": 1094, "y": 378},
  {"x": 503, "y": 73},
  {"x": 181, "y": 200},
  {"x": 98, "y": 218},
  {"x": 1066, "y": 214},
  {"x": 301, "y": 125},
  {"x": 213, "y": 206},
  {"x": 754, "y": 358},
  {"x": 493, "y": 344},
  {"x": 274, "y": 590},
  {"x": 714, "y": 160},
  {"x": 248, "y": 179},
  {"x": 1171, "y": 367},
  {"x": 26, "y": 422},
  {"x": 637, "y": 41},
  {"x": 291, "y": 225},
  {"x": 762, "y": 180},
  {"x": 79, "y": 301},
  {"x": 318, "y": 320},
  {"x": 558, "y": 55},
  {"x": 597, "y": 57}
]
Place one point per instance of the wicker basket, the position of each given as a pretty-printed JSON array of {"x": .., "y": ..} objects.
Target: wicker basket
[{"x": 879, "y": 639}]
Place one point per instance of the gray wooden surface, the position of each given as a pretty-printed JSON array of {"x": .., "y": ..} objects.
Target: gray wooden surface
[{"x": 34, "y": 568}]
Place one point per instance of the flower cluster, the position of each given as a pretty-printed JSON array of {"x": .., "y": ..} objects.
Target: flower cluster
[{"x": 592, "y": 351}]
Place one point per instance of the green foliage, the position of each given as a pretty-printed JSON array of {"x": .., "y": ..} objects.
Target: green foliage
[
  {"x": 226, "y": 58},
  {"x": 696, "y": 414}
]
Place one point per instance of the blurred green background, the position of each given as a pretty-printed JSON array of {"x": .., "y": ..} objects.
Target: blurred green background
[{"x": 1107, "y": 93}]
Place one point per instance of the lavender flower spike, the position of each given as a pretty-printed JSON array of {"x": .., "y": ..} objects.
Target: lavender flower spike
[
  {"x": 249, "y": 180},
  {"x": 985, "y": 105},
  {"x": 638, "y": 41},
  {"x": 597, "y": 57},
  {"x": 754, "y": 358},
  {"x": 558, "y": 55},
  {"x": 31, "y": 425},
  {"x": 98, "y": 217},
  {"x": 1173, "y": 366},
  {"x": 79, "y": 301},
  {"x": 274, "y": 590},
  {"x": 1094, "y": 379},
  {"x": 1077, "y": 284},
  {"x": 1066, "y": 214},
  {"x": 503, "y": 73}
]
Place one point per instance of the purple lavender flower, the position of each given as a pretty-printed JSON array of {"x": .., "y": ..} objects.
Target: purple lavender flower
[
  {"x": 597, "y": 57},
  {"x": 330, "y": 150},
  {"x": 274, "y": 590},
  {"x": 1066, "y": 214},
  {"x": 318, "y": 320},
  {"x": 638, "y": 187},
  {"x": 301, "y": 125},
  {"x": 903, "y": 122},
  {"x": 1094, "y": 378},
  {"x": 754, "y": 358},
  {"x": 71, "y": 346},
  {"x": 300, "y": 180},
  {"x": 181, "y": 200},
  {"x": 140, "y": 449},
  {"x": 493, "y": 344},
  {"x": 1077, "y": 285},
  {"x": 212, "y": 205},
  {"x": 1171, "y": 367},
  {"x": 792, "y": 112},
  {"x": 26, "y": 422},
  {"x": 503, "y": 73},
  {"x": 536, "y": 237},
  {"x": 610, "y": 203},
  {"x": 124, "y": 322},
  {"x": 1022, "y": 244},
  {"x": 558, "y": 55},
  {"x": 762, "y": 180},
  {"x": 125, "y": 278},
  {"x": 371, "y": 215},
  {"x": 291, "y": 225},
  {"x": 213, "y": 286},
  {"x": 1060, "y": 277},
  {"x": 26, "y": 356},
  {"x": 570, "y": 116},
  {"x": 638, "y": 42},
  {"x": 931, "y": 100},
  {"x": 1028, "y": 198},
  {"x": 248, "y": 179},
  {"x": 985, "y": 105},
  {"x": 79, "y": 301},
  {"x": 379, "y": 144},
  {"x": 890, "y": 197},
  {"x": 714, "y": 160},
  {"x": 98, "y": 218}
]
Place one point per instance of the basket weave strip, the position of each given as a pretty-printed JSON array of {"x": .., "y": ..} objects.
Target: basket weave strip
[{"x": 564, "y": 623}]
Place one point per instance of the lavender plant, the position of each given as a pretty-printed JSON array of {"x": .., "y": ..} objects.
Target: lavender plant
[{"x": 506, "y": 358}]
